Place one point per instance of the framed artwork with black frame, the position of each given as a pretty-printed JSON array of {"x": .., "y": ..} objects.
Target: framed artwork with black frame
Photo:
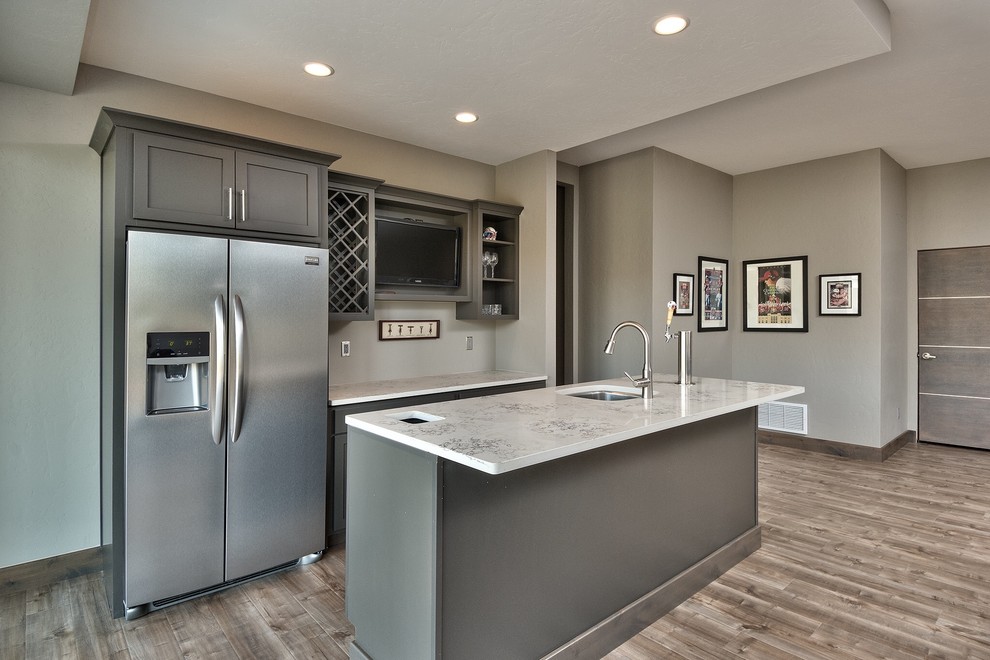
[
  {"x": 683, "y": 294},
  {"x": 840, "y": 295},
  {"x": 775, "y": 294},
  {"x": 713, "y": 294}
]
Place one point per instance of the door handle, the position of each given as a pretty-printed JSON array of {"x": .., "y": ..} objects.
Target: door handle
[
  {"x": 243, "y": 205},
  {"x": 237, "y": 412},
  {"x": 927, "y": 356},
  {"x": 230, "y": 203},
  {"x": 219, "y": 370}
]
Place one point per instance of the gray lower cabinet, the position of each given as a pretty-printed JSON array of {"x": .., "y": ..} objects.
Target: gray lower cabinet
[
  {"x": 201, "y": 183},
  {"x": 337, "y": 450}
]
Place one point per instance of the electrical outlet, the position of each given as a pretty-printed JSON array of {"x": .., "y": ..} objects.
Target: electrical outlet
[
  {"x": 345, "y": 349},
  {"x": 469, "y": 344}
]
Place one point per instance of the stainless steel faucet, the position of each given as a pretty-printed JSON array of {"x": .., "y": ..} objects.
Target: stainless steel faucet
[{"x": 646, "y": 380}]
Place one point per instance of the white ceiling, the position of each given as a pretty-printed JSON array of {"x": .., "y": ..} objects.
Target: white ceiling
[{"x": 749, "y": 85}]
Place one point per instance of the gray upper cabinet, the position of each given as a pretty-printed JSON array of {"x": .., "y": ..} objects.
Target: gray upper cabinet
[
  {"x": 158, "y": 172},
  {"x": 277, "y": 195},
  {"x": 179, "y": 180}
]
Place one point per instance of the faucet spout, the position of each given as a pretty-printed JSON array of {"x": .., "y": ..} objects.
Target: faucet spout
[{"x": 645, "y": 381}]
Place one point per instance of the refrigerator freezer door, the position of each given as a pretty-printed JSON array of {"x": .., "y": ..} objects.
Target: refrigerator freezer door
[
  {"x": 174, "y": 511},
  {"x": 276, "y": 470}
]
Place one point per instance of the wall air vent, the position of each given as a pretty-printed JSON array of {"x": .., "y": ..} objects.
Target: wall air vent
[{"x": 786, "y": 417}]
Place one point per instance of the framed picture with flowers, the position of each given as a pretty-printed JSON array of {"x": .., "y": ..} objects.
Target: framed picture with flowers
[{"x": 775, "y": 294}]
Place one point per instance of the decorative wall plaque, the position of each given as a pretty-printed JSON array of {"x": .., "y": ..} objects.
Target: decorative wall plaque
[{"x": 399, "y": 329}]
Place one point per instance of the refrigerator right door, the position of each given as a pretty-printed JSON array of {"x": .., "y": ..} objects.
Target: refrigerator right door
[{"x": 277, "y": 405}]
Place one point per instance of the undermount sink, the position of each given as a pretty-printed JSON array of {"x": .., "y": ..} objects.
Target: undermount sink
[{"x": 603, "y": 393}]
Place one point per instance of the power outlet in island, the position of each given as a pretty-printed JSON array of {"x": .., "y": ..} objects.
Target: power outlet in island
[
  {"x": 469, "y": 343},
  {"x": 345, "y": 349}
]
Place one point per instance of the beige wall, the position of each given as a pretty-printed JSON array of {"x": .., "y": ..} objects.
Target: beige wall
[{"x": 49, "y": 256}]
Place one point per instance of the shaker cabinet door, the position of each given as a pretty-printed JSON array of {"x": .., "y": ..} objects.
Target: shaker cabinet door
[
  {"x": 177, "y": 180},
  {"x": 278, "y": 195}
]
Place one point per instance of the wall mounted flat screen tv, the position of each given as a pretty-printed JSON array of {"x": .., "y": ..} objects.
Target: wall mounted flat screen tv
[{"x": 411, "y": 252}]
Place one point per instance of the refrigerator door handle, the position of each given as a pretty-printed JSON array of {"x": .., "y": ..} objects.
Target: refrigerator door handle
[
  {"x": 219, "y": 371},
  {"x": 238, "y": 404}
]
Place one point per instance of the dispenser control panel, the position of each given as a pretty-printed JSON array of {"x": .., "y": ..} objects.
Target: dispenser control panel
[{"x": 178, "y": 344}]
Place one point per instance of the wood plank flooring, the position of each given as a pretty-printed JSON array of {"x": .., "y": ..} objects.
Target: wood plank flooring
[{"x": 859, "y": 560}]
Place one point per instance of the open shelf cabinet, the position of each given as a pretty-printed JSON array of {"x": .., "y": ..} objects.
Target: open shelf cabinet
[{"x": 502, "y": 288}]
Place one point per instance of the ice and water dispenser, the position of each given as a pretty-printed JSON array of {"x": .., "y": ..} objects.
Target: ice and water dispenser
[{"x": 178, "y": 372}]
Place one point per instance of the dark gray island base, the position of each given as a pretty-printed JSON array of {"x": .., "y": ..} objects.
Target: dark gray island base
[{"x": 566, "y": 558}]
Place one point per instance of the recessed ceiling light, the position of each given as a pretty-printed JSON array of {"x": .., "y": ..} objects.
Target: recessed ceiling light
[
  {"x": 318, "y": 69},
  {"x": 466, "y": 117},
  {"x": 670, "y": 25}
]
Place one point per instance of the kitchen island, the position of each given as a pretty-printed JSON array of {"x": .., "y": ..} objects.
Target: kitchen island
[{"x": 541, "y": 524}]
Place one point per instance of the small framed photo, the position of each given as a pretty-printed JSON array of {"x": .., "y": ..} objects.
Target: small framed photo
[
  {"x": 683, "y": 294},
  {"x": 840, "y": 295},
  {"x": 713, "y": 294},
  {"x": 775, "y": 294}
]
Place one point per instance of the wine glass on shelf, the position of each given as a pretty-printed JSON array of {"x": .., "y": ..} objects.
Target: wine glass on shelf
[
  {"x": 486, "y": 261},
  {"x": 494, "y": 262}
]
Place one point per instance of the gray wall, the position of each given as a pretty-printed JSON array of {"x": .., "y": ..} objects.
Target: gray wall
[
  {"x": 644, "y": 217},
  {"x": 895, "y": 353},
  {"x": 615, "y": 256},
  {"x": 845, "y": 213},
  {"x": 529, "y": 343},
  {"x": 830, "y": 210},
  {"x": 692, "y": 218},
  {"x": 49, "y": 351},
  {"x": 49, "y": 256},
  {"x": 947, "y": 207}
]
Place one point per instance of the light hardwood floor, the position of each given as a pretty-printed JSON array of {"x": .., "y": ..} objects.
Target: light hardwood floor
[{"x": 859, "y": 560}]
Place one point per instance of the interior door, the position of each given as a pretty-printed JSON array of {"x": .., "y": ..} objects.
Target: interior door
[
  {"x": 954, "y": 346},
  {"x": 277, "y": 438}
]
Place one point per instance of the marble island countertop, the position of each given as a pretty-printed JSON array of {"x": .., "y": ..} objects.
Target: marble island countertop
[
  {"x": 510, "y": 431},
  {"x": 382, "y": 390}
]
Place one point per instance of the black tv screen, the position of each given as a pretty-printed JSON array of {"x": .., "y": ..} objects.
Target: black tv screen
[{"x": 416, "y": 253}]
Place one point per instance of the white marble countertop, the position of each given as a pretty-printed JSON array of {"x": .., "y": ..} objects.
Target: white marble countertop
[
  {"x": 510, "y": 431},
  {"x": 382, "y": 390}
]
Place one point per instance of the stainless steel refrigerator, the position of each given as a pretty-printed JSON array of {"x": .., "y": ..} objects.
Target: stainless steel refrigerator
[{"x": 224, "y": 445}]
